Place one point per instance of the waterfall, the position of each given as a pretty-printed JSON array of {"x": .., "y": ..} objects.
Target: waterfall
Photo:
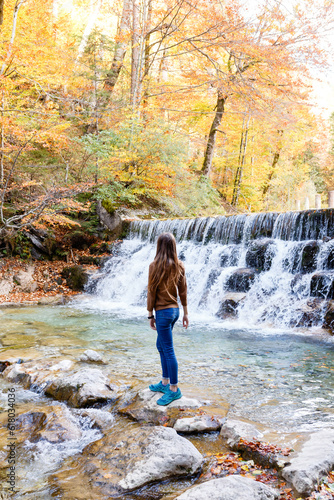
[{"x": 271, "y": 269}]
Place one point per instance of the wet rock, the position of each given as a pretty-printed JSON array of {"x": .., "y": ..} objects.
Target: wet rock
[
  {"x": 76, "y": 277},
  {"x": 29, "y": 424},
  {"x": 90, "y": 356},
  {"x": 313, "y": 462},
  {"x": 83, "y": 388},
  {"x": 329, "y": 316},
  {"x": 17, "y": 373},
  {"x": 229, "y": 305},
  {"x": 25, "y": 279},
  {"x": 100, "y": 419},
  {"x": 3, "y": 365},
  {"x": 329, "y": 262},
  {"x": 54, "y": 424},
  {"x": 322, "y": 285},
  {"x": 37, "y": 375},
  {"x": 111, "y": 221},
  {"x": 230, "y": 256},
  {"x": 199, "y": 423},
  {"x": 241, "y": 280},
  {"x": 234, "y": 430},
  {"x": 60, "y": 426},
  {"x": 142, "y": 456},
  {"x": 310, "y": 313},
  {"x": 212, "y": 278},
  {"x": 230, "y": 488},
  {"x": 309, "y": 257},
  {"x": 258, "y": 255},
  {"x": 144, "y": 408},
  {"x": 53, "y": 300}
]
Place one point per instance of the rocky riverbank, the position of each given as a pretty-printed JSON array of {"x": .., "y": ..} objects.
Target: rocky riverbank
[
  {"x": 146, "y": 452},
  {"x": 45, "y": 282}
]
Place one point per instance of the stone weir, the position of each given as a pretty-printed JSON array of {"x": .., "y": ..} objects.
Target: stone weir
[{"x": 267, "y": 268}]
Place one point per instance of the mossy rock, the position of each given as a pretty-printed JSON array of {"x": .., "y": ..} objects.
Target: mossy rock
[
  {"x": 109, "y": 206},
  {"x": 76, "y": 277}
]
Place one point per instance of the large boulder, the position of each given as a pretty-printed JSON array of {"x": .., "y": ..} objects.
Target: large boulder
[
  {"x": 230, "y": 488},
  {"x": 76, "y": 277},
  {"x": 109, "y": 219},
  {"x": 312, "y": 463},
  {"x": 115, "y": 465},
  {"x": 25, "y": 280},
  {"x": 241, "y": 280},
  {"x": 83, "y": 388}
]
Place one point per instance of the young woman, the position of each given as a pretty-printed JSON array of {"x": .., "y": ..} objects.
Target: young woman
[{"x": 166, "y": 279}]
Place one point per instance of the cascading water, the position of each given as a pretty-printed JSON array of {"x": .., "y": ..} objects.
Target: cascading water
[{"x": 270, "y": 268}]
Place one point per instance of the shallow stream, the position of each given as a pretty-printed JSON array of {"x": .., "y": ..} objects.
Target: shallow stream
[{"x": 284, "y": 380}]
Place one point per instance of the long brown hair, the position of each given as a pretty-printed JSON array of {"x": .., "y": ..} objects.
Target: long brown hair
[{"x": 166, "y": 267}]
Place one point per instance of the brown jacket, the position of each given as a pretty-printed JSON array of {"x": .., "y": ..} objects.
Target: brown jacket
[{"x": 163, "y": 298}]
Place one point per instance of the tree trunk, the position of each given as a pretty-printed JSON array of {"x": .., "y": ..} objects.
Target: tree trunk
[
  {"x": 135, "y": 55},
  {"x": 147, "y": 54},
  {"x": 241, "y": 162},
  {"x": 120, "y": 50},
  {"x": 2, "y": 2},
  {"x": 207, "y": 164},
  {"x": 17, "y": 7},
  {"x": 2, "y": 140},
  {"x": 273, "y": 165}
]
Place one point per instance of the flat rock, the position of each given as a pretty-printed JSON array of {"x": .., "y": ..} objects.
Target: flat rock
[
  {"x": 144, "y": 408},
  {"x": 83, "y": 388},
  {"x": 199, "y": 423},
  {"x": 234, "y": 430},
  {"x": 314, "y": 461},
  {"x": 230, "y": 488},
  {"x": 142, "y": 456},
  {"x": 53, "y": 300}
]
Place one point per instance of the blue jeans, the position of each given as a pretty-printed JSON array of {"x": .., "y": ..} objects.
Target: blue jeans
[{"x": 165, "y": 319}]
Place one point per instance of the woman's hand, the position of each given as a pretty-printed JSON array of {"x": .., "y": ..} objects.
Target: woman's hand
[
  {"x": 185, "y": 321},
  {"x": 152, "y": 323}
]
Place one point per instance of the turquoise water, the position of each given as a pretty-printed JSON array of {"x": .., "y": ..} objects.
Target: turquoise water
[{"x": 282, "y": 379}]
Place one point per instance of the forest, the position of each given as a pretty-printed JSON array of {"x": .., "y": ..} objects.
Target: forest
[{"x": 179, "y": 107}]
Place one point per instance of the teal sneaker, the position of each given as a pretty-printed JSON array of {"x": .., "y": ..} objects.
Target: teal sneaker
[
  {"x": 160, "y": 387},
  {"x": 169, "y": 397}
]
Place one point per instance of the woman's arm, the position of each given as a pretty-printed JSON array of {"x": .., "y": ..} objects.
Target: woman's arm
[
  {"x": 185, "y": 320},
  {"x": 150, "y": 301},
  {"x": 152, "y": 320},
  {"x": 182, "y": 288}
]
